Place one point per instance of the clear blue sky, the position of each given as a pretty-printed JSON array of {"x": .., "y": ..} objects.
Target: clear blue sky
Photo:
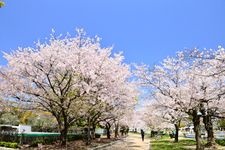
[{"x": 145, "y": 30}]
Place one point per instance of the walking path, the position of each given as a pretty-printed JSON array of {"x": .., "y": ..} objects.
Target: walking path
[{"x": 132, "y": 142}]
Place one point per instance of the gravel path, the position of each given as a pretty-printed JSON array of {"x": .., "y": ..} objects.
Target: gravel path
[{"x": 132, "y": 142}]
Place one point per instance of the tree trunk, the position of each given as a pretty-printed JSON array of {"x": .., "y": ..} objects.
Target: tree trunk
[
  {"x": 93, "y": 131},
  {"x": 108, "y": 133},
  {"x": 207, "y": 119},
  {"x": 88, "y": 142},
  {"x": 108, "y": 126},
  {"x": 197, "y": 130},
  {"x": 63, "y": 135},
  {"x": 63, "y": 129},
  {"x": 177, "y": 133},
  {"x": 116, "y": 130},
  {"x": 210, "y": 139}
]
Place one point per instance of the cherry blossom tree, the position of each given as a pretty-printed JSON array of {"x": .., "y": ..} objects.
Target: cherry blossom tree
[
  {"x": 166, "y": 82},
  {"x": 170, "y": 116},
  {"x": 209, "y": 87},
  {"x": 188, "y": 83},
  {"x": 154, "y": 119},
  {"x": 4, "y": 107},
  {"x": 117, "y": 113},
  {"x": 64, "y": 76}
]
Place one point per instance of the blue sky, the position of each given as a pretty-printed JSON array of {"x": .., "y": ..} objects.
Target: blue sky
[{"x": 145, "y": 30}]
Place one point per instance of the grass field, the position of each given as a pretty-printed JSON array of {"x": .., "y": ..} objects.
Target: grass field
[
  {"x": 168, "y": 144},
  {"x": 165, "y": 143}
]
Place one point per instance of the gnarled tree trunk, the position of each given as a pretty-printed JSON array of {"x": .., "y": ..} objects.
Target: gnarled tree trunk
[
  {"x": 207, "y": 120},
  {"x": 108, "y": 126},
  {"x": 63, "y": 129},
  {"x": 63, "y": 136},
  {"x": 197, "y": 130}
]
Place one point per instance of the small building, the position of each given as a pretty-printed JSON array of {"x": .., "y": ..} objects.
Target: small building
[{"x": 17, "y": 129}]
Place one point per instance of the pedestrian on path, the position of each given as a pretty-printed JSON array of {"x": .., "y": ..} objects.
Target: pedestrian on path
[{"x": 142, "y": 135}]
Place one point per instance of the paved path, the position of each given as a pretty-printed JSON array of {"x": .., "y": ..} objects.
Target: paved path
[{"x": 132, "y": 142}]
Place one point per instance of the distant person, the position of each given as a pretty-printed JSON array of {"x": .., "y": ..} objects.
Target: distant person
[
  {"x": 142, "y": 135},
  {"x": 127, "y": 130}
]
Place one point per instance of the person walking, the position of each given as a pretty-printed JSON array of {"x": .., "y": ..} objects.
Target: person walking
[{"x": 142, "y": 135}]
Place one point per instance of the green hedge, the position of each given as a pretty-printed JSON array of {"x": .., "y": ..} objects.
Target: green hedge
[
  {"x": 9, "y": 145},
  {"x": 74, "y": 137},
  {"x": 34, "y": 139},
  {"x": 220, "y": 142},
  {"x": 51, "y": 139}
]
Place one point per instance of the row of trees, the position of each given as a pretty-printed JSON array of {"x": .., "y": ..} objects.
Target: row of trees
[
  {"x": 72, "y": 78},
  {"x": 76, "y": 80},
  {"x": 190, "y": 85}
]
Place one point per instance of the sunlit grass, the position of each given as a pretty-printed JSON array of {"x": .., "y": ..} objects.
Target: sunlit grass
[{"x": 168, "y": 144}]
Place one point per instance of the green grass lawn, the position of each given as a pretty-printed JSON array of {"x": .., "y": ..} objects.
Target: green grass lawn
[
  {"x": 165, "y": 143},
  {"x": 168, "y": 144}
]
